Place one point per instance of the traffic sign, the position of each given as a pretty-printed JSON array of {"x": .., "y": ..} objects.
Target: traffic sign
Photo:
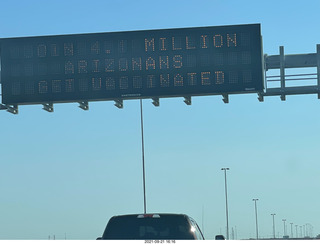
[{"x": 132, "y": 65}]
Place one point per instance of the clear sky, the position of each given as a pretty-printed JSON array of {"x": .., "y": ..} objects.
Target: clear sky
[{"x": 66, "y": 173}]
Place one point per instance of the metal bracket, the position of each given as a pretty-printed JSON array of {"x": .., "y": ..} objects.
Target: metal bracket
[
  {"x": 225, "y": 98},
  {"x": 48, "y": 107},
  {"x": 84, "y": 105},
  {"x": 118, "y": 103},
  {"x": 260, "y": 97},
  {"x": 155, "y": 101},
  {"x": 3, "y": 107},
  {"x": 187, "y": 100},
  {"x": 11, "y": 109}
]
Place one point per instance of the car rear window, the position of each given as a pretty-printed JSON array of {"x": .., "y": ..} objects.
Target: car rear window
[{"x": 164, "y": 227}]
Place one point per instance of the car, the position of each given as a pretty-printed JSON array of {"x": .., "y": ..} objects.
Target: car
[
  {"x": 219, "y": 237},
  {"x": 152, "y": 227}
]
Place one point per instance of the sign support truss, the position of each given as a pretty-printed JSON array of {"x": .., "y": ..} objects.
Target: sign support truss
[{"x": 282, "y": 62}]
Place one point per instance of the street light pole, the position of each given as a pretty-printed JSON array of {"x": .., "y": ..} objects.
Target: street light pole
[
  {"x": 225, "y": 186},
  {"x": 284, "y": 227},
  {"x": 255, "y": 204},
  {"x": 274, "y": 230}
]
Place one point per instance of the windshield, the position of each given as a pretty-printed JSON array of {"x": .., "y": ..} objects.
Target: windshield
[{"x": 133, "y": 228}]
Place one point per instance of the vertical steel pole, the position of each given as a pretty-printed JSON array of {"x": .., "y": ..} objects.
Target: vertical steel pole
[
  {"x": 255, "y": 204},
  {"x": 225, "y": 176},
  {"x": 274, "y": 229},
  {"x": 282, "y": 73},
  {"x": 225, "y": 187},
  {"x": 284, "y": 227},
  {"x": 143, "y": 166}
]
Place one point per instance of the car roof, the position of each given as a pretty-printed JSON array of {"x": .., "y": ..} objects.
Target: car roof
[
  {"x": 151, "y": 214},
  {"x": 132, "y": 221}
]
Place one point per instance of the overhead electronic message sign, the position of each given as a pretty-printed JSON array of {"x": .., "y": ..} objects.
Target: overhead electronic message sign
[{"x": 130, "y": 65}]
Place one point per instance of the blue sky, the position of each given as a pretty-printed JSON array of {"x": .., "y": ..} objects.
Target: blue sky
[{"x": 66, "y": 173}]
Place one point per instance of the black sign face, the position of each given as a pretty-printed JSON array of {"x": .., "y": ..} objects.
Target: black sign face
[{"x": 130, "y": 65}]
